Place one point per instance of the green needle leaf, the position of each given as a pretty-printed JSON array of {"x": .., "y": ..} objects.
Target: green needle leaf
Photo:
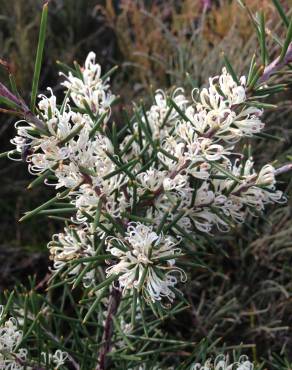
[
  {"x": 224, "y": 171},
  {"x": 281, "y": 12},
  {"x": 287, "y": 42},
  {"x": 7, "y": 307},
  {"x": 97, "y": 124},
  {"x": 262, "y": 39},
  {"x": 230, "y": 69},
  {"x": 45, "y": 205},
  {"x": 39, "y": 56}
]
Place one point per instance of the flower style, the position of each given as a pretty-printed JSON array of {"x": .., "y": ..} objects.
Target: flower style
[{"x": 146, "y": 261}]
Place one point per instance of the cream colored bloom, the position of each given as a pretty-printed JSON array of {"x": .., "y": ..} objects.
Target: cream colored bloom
[
  {"x": 10, "y": 338},
  {"x": 56, "y": 359},
  {"x": 146, "y": 262},
  {"x": 91, "y": 89},
  {"x": 222, "y": 362},
  {"x": 69, "y": 246}
]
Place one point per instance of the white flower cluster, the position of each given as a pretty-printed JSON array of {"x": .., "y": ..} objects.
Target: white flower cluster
[
  {"x": 146, "y": 262},
  {"x": 71, "y": 148},
  {"x": 14, "y": 358},
  {"x": 89, "y": 89},
  {"x": 197, "y": 146},
  {"x": 222, "y": 362},
  {"x": 56, "y": 359},
  {"x": 10, "y": 337},
  {"x": 144, "y": 367},
  {"x": 69, "y": 247},
  {"x": 177, "y": 163}
]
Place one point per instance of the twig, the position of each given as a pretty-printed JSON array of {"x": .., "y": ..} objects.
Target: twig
[
  {"x": 43, "y": 282},
  {"x": 283, "y": 169},
  {"x": 114, "y": 301}
]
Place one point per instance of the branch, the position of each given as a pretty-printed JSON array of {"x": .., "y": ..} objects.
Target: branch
[
  {"x": 283, "y": 169},
  {"x": 114, "y": 301}
]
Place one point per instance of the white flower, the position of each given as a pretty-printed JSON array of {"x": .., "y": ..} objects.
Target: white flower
[
  {"x": 24, "y": 139},
  {"x": 10, "y": 338},
  {"x": 68, "y": 175},
  {"x": 211, "y": 151},
  {"x": 152, "y": 179},
  {"x": 146, "y": 261},
  {"x": 257, "y": 197},
  {"x": 199, "y": 170},
  {"x": 198, "y": 119},
  {"x": 72, "y": 245},
  {"x": 91, "y": 89},
  {"x": 266, "y": 175},
  {"x": 234, "y": 93},
  {"x": 204, "y": 196},
  {"x": 178, "y": 183},
  {"x": 181, "y": 175},
  {"x": 51, "y": 154},
  {"x": 248, "y": 121},
  {"x": 12, "y": 358},
  {"x": 175, "y": 149},
  {"x": 48, "y": 105},
  {"x": 222, "y": 362},
  {"x": 57, "y": 359},
  {"x": 205, "y": 219},
  {"x": 161, "y": 117}
]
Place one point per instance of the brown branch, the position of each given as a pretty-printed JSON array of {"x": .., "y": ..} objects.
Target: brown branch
[
  {"x": 114, "y": 301},
  {"x": 283, "y": 169}
]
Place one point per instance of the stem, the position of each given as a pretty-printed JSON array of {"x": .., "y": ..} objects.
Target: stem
[
  {"x": 283, "y": 169},
  {"x": 114, "y": 301}
]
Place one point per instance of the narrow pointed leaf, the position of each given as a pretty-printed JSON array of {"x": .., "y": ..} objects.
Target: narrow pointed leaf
[{"x": 39, "y": 56}]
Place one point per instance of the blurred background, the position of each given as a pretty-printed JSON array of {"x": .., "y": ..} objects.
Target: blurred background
[{"x": 245, "y": 297}]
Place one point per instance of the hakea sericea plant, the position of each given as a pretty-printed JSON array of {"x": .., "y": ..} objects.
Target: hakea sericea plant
[
  {"x": 136, "y": 192},
  {"x": 142, "y": 193}
]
